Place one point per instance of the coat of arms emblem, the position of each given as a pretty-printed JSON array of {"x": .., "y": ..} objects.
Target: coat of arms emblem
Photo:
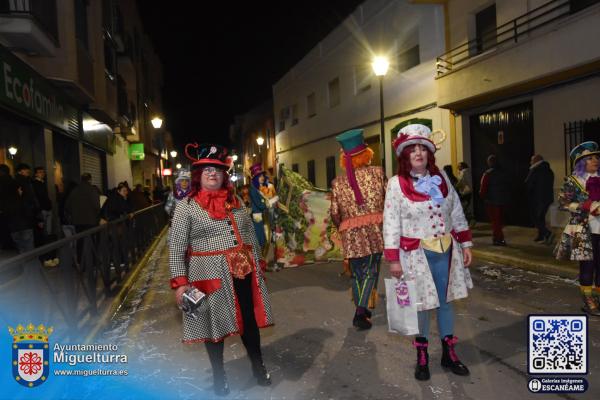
[{"x": 30, "y": 354}]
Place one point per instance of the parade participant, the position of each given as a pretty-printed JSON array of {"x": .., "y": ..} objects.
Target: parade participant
[
  {"x": 428, "y": 240},
  {"x": 213, "y": 248},
  {"x": 580, "y": 241},
  {"x": 356, "y": 209},
  {"x": 258, "y": 201},
  {"x": 180, "y": 191}
]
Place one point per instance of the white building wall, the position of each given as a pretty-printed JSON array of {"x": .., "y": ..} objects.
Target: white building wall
[
  {"x": 118, "y": 166},
  {"x": 376, "y": 27}
]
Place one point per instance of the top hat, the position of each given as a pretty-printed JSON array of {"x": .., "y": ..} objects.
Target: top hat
[
  {"x": 583, "y": 150},
  {"x": 413, "y": 134},
  {"x": 352, "y": 142},
  {"x": 209, "y": 154},
  {"x": 256, "y": 169}
]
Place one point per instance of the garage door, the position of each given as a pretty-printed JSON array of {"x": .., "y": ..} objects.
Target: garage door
[{"x": 92, "y": 163}]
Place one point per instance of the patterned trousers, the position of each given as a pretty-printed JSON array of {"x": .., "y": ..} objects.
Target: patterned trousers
[{"x": 365, "y": 272}]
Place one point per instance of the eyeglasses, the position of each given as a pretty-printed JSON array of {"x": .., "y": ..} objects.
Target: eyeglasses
[{"x": 212, "y": 170}]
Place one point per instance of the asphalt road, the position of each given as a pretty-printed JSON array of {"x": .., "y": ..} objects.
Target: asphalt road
[{"x": 313, "y": 352}]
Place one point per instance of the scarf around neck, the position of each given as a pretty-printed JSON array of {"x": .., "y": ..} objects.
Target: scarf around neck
[{"x": 215, "y": 203}]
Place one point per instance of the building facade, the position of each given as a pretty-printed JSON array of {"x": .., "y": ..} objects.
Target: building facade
[
  {"x": 76, "y": 90},
  {"x": 522, "y": 77},
  {"x": 333, "y": 89}
]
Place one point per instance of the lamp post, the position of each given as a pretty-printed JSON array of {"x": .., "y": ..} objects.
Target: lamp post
[
  {"x": 156, "y": 122},
  {"x": 380, "y": 67},
  {"x": 173, "y": 153}
]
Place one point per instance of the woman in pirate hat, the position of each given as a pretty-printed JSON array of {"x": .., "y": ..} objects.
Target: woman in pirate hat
[{"x": 580, "y": 241}]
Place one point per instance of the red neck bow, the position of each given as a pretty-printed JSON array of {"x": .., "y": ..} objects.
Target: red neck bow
[{"x": 215, "y": 202}]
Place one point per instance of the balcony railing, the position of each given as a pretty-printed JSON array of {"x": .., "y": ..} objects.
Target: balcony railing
[
  {"x": 41, "y": 11},
  {"x": 510, "y": 32}
]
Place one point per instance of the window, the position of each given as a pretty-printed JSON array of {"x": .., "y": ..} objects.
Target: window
[
  {"x": 362, "y": 79},
  {"x": 409, "y": 58},
  {"x": 485, "y": 29},
  {"x": 284, "y": 114},
  {"x": 295, "y": 168},
  {"x": 311, "y": 105},
  {"x": 330, "y": 166},
  {"x": 109, "y": 60},
  {"x": 294, "y": 114},
  {"x": 310, "y": 165},
  {"x": 334, "y": 92},
  {"x": 81, "y": 22}
]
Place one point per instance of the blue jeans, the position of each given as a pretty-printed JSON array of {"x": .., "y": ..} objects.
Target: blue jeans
[
  {"x": 23, "y": 240},
  {"x": 439, "y": 264}
]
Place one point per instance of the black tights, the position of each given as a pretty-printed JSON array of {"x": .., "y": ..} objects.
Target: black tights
[{"x": 251, "y": 336}]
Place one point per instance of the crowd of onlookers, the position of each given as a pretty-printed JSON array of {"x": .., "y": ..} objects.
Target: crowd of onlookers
[{"x": 26, "y": 211}]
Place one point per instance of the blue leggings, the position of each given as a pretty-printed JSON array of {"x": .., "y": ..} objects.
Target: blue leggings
[{"x": 439, "y": 265}]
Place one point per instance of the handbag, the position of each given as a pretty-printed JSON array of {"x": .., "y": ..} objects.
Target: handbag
[{"x": 401, "y": 306}]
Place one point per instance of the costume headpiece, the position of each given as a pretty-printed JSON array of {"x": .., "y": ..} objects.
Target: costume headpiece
[
  {"x": 352, "y": 143},
  {"x": 209, "y": 154}
]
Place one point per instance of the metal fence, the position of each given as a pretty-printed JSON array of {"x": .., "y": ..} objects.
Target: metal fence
[{"x": 92, "y": 267}]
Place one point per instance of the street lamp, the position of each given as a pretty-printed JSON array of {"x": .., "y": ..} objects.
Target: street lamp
[
  {"x": 173, "y": 153},
  {"x": 12, "y": 151},
  {"x": 156, "y": 122},
  {"x": 380, "y": 67},
  {"x": 260, "y": 140},
  {"x": 178, "y": 166},
  {"x": 234, "y": 157}
]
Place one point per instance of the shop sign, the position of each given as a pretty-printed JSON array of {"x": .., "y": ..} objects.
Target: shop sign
[
  {"x": 23, "y": 89},
  {"x": 136, "y": 151}
]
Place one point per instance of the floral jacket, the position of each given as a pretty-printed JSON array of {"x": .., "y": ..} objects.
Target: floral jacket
[{"x": 576, "y": 240}]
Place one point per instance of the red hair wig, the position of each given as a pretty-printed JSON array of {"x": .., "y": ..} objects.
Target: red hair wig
[
  {"x": 404, "y": 166},
  {"x": 196, "y": 182},
  {"x": 360, "y": 160}
]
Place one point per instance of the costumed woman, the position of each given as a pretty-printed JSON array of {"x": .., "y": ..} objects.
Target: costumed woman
[
  {"x": 261, "y": 192},
  {"x": 213, "y": 248},
  {"x": 180, "y": 191},
  {"x": 580, "y": 241},
  {"x": 428, "y": 240},
  {"x": 357, "y": 211}
]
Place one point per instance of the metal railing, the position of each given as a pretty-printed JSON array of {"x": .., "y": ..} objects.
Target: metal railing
[
  {"x": 41, "y": 11},
  {"x": 92, "y": 266},
  {"x": 510, "y": 32}
]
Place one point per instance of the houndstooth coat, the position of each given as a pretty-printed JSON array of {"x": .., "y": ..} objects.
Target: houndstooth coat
[{"x": 192, "y": 230}]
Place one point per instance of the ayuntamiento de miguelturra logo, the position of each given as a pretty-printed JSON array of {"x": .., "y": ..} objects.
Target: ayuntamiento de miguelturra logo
[{"x": 30, "y": 354}]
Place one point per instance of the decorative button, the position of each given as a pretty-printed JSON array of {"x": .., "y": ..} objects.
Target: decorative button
[
  {"x": 229, "y": 223},
  {"x": 233, "y": 232},
  {"x": 235, "y": 242},
  {"x": 438, "y": 206},
  {"x": 440, "y": 214},
  {"x": 433, "y": 226},
  {"x": 441, "y": 224},
  {"x": 430, "y": 207},
  {"x": 431, "y": 216},
  {"x": 435, "y": 235}
]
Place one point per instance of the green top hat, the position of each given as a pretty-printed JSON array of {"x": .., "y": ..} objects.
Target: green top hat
[{"x": 352, "y": 142}]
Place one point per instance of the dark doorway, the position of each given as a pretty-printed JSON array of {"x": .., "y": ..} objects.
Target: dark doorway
[
  {"x": 485, "y": 28},
  {"x": 310, "y": 165},
  {"x": 330, "y": 169},
  {"x": 507, "y": 133}
]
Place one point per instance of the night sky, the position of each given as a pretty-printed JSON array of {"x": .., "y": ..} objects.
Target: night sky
[{"x": 223, "y": 61}]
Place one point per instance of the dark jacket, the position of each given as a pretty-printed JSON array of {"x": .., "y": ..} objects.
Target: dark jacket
[
  {"x": 116, "y": 206},
  {"x": 540, "y": 185},
  {"x": 28, "y": 195},
  {"x": 20, "y": 214},
  {"x": 138, "y": 200},
  {"x": 41, "y": 194},
  {"x": 83, "y": 205},
  {"x": 495, "y": 187}
]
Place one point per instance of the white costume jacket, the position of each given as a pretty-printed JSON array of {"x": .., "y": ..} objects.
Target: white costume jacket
[{"x": 409, "y": 218}]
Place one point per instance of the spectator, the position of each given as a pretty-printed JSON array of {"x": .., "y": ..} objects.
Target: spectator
[
  {"x": 495, "y": 190},
  {"x": 540, "y": 193},
  {"x": 138, "y": 199},
  {"x": 448, "y": 170},
  {"x": 82, "y": 207},
  {"x": 464, "y": 187},
  {"x": 7, "y": 184},
  {"x": 40, "y": 191},
  {"x": 21, "y": 218},
  {"x": 23, "y": 179},
  {"x": 116, "y": 206}
]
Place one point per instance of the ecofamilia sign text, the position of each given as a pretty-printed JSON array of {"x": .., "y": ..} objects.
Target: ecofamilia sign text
[{"x": 26, "y": 91}]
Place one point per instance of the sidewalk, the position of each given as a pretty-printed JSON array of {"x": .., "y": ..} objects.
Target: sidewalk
[{"x": 522, "y": 251}]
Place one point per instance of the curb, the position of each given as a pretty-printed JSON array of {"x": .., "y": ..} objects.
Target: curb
[
  {"x": 124, "y": 291},
  {"x": 539, "y": 267}
]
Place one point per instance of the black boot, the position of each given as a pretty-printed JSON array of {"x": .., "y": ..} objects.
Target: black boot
[
  {"x": 422, "y": 368},
  {"x": 263, "y": 378},
  {"x": 220, "y": 385},
  {"x": 215, "y": 354},
  {"x": 449, "y": 357},
  {"x": 362, "y": 321}
]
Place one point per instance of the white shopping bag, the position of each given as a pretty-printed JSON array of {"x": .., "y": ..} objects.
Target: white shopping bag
[{"x": 401, "y": 306}]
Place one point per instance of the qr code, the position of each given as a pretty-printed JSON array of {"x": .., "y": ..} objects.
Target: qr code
[{"x": 557, "y": 344}]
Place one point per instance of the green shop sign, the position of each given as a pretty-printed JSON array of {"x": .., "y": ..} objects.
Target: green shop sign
[
  {"x": 24, "y": 90},
  {"x": 136, "y": 151}
]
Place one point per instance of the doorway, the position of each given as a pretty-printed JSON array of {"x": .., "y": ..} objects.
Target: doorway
[{"x": 507, "y": 133}]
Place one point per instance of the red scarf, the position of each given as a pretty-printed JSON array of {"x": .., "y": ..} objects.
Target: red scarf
[{"x": 215, "y": 202}]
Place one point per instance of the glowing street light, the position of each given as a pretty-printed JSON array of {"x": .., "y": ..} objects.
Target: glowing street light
[
  {"x": 178, "y": 166},
  {"x": 12, "y": 150},
  {"x": 380, "y": 67},
  {"x": 260, "y": 140},
  {"x": 156, "y": 122},
  {"x": 234, "y": 157},
  {"x": 173, "y": 153}
]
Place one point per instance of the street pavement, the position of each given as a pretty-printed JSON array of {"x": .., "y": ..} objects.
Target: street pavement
[{"x": 313, "y": 352}]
